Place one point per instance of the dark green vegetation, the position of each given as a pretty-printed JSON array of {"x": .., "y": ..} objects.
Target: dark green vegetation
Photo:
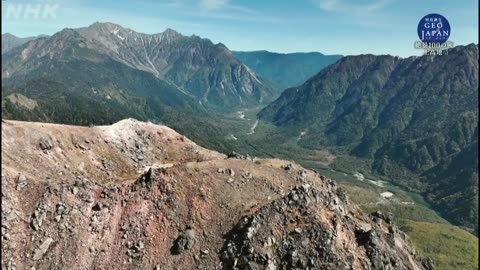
[
  {"x": 413, "y": 121},
  {"x": 51, "y": 101},
  {"x": 286, "y": 70},
  {"x": 412, "y": 213}
]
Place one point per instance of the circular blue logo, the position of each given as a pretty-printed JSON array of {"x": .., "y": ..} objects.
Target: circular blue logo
[{"x": 433, "y": 28}]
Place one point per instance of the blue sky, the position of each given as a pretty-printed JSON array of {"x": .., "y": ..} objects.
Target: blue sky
[{"x": 346, "y": 27}]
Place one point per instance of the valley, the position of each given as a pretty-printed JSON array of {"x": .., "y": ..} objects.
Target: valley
[
  {"x": 322, "y": 161},
  {"x": 262, "y": 144}
]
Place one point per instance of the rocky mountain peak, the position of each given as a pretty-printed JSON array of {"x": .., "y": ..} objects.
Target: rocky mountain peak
[
  {"x": 107, "y": 26},
  {"x": 310, "y": 228},
  {"x": 108, "y": 30},
  {"x": 170, "y": 33},
  {"x": 8, "y": 35}
]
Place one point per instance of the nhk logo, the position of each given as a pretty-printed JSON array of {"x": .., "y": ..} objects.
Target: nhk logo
[{"x": 12, "y": 10}]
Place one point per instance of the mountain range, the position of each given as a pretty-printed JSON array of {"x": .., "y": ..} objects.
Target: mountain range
[
  {"x": 411, "y": 122},
  {"x": 415, "y": 120},
  {"x": 286, "y": 69},
  {"x": 194, "y": 66}
]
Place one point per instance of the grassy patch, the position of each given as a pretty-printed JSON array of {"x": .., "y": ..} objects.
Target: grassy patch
[{"x": 449, "y": 246}]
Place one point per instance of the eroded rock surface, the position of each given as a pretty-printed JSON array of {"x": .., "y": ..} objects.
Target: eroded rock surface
[
  {"x": 140, "y": 196},
  {"x": 311, "y": 228}
]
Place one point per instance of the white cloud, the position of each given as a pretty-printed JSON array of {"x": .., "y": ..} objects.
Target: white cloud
[
  {"x": 224, "y": 9},
  {"x": 346, "y": 6},
  {"x": 327, "y": 5},
  {"x": 377, "y": 5},
  {"x": 213, "y": 4}
]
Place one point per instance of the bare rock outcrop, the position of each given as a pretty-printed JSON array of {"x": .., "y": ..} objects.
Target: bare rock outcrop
[{"x": 100, "y": 206}]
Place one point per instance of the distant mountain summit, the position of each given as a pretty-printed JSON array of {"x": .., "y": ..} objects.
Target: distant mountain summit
[
  {"x": 416, "y": 119},
  {"x": 286, "y": 70},
  {"x": 196, "y": 65},
  {"x": 10, "y": 41},
  {"x": 209, "y": 72}
]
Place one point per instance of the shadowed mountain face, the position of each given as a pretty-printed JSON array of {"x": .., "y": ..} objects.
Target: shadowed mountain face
[
  {"x": 10, "y": 41},
  {"x": 196, "y": 67},
  {"x": 415, "y": 119},
  {"x": 286, "y": 70}
]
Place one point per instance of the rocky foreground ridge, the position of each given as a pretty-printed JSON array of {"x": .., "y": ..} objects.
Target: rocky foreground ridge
[{"x": 136, "y": 195}]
